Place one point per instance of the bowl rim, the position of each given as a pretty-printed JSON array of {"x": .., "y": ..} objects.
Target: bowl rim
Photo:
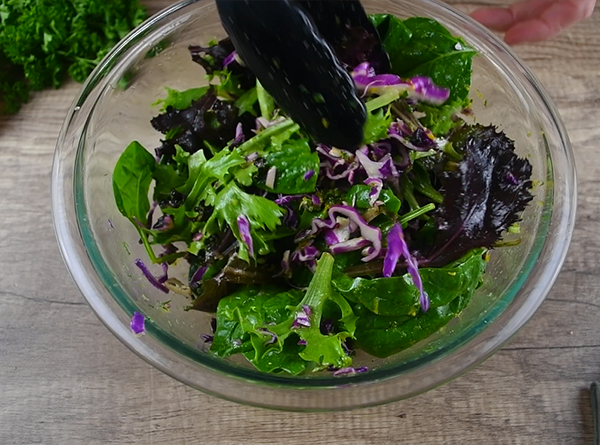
[{"x": 75, "y": 256}]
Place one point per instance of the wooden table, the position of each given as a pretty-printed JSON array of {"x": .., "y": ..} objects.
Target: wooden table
[{"x": 64, "y": 379}]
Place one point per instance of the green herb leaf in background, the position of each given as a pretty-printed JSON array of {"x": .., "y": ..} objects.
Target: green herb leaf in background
[{"x": 46, "y": 39}]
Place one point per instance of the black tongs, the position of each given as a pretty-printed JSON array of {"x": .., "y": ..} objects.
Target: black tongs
[{"x": 301, "y": 52}]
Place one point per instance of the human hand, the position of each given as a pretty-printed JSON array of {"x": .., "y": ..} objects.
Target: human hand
[{"x": 534, "y": 20}]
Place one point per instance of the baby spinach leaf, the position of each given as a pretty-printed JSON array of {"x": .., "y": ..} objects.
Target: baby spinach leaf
[
  {"x": 358, "y": 196},
  {"x": 390, "y": 201},
  {"x": 229, "y": 338},
  {"x": 395, "y": 36},
  {"x": 383, "y": 336},
  {"x": 167, "y": 178},
  {"x": 292, "y": 162},
  {"x": 423, "y": 47},
  {"x": 131, "y": 182},
  {"x": 397, "y": 296}
]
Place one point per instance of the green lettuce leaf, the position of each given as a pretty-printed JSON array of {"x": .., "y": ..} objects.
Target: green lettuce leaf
[
  {"x": 260, "y": 323},
  {"x": 397, "y": 296},
  {"x": 292, "y": 161}
]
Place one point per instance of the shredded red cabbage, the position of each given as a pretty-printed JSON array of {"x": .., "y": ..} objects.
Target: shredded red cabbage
[
  {"x": 369, "y": 233},
  {"x": 397, "y": 247},
  {"x": 419, "y": 140},
  {"x": 350, "y": 371},
  {"x": 150, "y": 214},
  {"x": 384, "y": 168},
  {"x": 425, "y": 90},
  {"x": 302, "y": 319},
  {"x": 272, "y": 337},
  {"x": 244, "y": 229},
  {"x": 285, "y": 265},
  {"x": 282, "y": 200},
  {"x": 239, "y": 136},
  {"x": 229, "y": 59},
  {"x": 376, "y": 185},
  {"x": 199, "y": 274},
  {"x": 151, "y": 278},
  {"x": 137, "y": 324},
  {"x": 271, "y": 176},
  {"x": 349, "y": 246},
  {"x": 207, "y": 338},
  {"x": 309, "y": 174},
  {"x": 420, "y": 88}
]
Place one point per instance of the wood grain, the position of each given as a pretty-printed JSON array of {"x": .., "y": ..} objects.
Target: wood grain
[{"x": 64, "y": 379}]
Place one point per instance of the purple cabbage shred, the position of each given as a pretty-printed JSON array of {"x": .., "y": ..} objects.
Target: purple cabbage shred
[
  {"x": 350, "y": 371},
  {"x": 137, "y": 324},
  {"x": 272, "y": 337},
  {"x": 207, "y": 338},
  {"x": 309, "y": 174},
  {"x": 397, "y": 247},
  {"x": 229, "y": 59},
  {"x": 244, "y": 229},
  {"x": 151, "y": 278},
  {"x": 302, "y": 319}
]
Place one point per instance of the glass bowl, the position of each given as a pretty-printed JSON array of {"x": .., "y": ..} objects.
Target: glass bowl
[{"x": 99, "y": 245}]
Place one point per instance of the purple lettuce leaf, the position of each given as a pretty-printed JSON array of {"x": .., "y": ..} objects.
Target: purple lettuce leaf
[{"x": 483, "y": 197}]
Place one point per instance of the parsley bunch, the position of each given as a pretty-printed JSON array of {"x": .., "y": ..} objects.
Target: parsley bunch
[{"x": 42, "y": 40}]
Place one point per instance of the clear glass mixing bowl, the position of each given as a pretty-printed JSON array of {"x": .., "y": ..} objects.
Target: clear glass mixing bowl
[{"x": 113, "y": 108}]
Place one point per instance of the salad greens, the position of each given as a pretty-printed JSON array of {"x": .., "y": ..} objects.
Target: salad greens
[{"x": 307, "y": 252}]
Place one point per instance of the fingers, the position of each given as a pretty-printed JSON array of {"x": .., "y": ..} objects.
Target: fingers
[
  {"x": 501, "y": 19},
  {"x": 560, "y": 15},
  {"x": 534, "y": 20}
]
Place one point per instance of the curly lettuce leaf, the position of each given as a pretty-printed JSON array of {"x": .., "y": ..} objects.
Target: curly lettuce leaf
[
  {"x": 230, "y": 203},
  {"x": 262, "y": 323},
  {"x": 180, "y": 100}
]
